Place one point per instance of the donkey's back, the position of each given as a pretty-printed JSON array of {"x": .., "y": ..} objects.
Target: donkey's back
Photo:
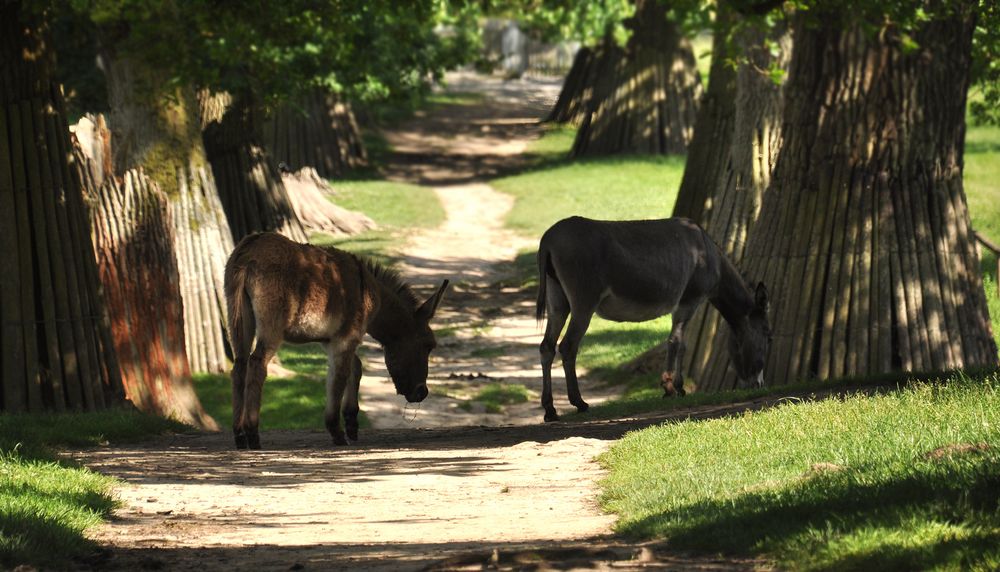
[
  {"x": 627, "y": 270},
  {"x": 297, "y": 292}
]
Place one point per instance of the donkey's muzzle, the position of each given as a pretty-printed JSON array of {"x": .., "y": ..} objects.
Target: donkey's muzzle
[{"x": 418, "y": 394}]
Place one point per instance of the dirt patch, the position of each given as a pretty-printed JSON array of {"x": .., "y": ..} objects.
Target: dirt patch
[{"x": 400, "y": 499}]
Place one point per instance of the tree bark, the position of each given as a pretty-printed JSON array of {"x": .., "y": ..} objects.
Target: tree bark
[
  {"x": 134, "y": 243},
  {"x": 731, "y": 213},
  {"x": 730, "y": 163},
  {"x": 709, "y": 153},
  {"x": 253, "y": 194},
  {"x": 863, "y": 235},
  {"x": 317, "y": 131},
  {"x": 591, "y": 80},
  {"x": 161, "y": 133},
  {"x": 653, "y": 99},
  {"x": 54, "y": 351}
]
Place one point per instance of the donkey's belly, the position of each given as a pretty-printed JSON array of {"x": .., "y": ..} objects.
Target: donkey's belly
[{"x": 620, "y": 309}]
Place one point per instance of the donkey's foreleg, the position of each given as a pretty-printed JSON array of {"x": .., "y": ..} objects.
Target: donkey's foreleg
[
  {"x": 337, "y": 375},
  {"x": 569, "y": 347},
  {"x": 672, "y": 378},
  {"x": 558, "y": 311},
  {"x": 351, "y": 407}
]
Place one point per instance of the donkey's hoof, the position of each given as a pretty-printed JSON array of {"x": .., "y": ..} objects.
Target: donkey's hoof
[
  {"x": 582, "y": 407},
  {"x": 253, "y": 441},
  {"x": 241, "y": 442},
  {"x": 340, "y": 440},
  {"x": 352, "y": 434},
  {"x": 551, "y": 416}
]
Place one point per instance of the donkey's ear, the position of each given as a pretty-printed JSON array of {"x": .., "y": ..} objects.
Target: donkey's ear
[
  {"x": 760, "y": 297},
  {"x": 426, "y": 310}
]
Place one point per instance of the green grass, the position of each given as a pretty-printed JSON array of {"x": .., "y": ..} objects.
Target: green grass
[
  {"x": 495, "y": 396},
  {"x": 982, "y": 188},
  {"x": 47, "y": 504},
  {"x": 296, "y": 402},
  {"x": 395, "y": 208},
  {"x": 610, "y": 189},
  {"x": 835, "y": 484}
]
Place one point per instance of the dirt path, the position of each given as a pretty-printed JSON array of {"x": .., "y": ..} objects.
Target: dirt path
[{"x": 440, "y": 487}]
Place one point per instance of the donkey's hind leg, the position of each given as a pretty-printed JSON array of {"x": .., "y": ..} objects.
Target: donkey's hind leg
[
  {"x": 568, "y": 349},
  {"x": 558, "y": 310},
  {"x": 256, "y": 373},
  {"x": 239, "y": 382}
]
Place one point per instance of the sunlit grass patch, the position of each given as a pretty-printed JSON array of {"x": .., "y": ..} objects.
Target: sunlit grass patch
[
  {"x": 395, "y": 208},
  {"x": 45, "y": 509},
  {"x": 47, "y": 505},
  {"x": 904, "y": 480},
  {"x": 619, "y": 188},
  {"x": 495, "y": 396}
]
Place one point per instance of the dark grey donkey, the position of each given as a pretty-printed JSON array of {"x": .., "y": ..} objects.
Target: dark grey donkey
[{"x": 633, "y": 271}]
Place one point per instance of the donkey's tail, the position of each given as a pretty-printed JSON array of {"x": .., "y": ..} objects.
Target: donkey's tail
[
  {"x": 241, "y": 319},
  {"x": 543, "y": 266}
]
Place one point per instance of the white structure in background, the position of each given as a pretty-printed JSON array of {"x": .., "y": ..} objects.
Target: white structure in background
[{"x": 517, "y": 53}]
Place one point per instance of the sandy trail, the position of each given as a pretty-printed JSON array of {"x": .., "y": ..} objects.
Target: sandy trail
[{"x": 445, "y": 488}]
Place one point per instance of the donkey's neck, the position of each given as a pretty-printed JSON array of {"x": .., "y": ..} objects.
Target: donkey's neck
[
  {"x": 730, "y": 296},
  {"x": 395, "y": 307},
  {"x": 392, "y": 320}
]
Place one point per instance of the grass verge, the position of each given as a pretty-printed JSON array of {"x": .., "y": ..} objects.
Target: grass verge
[
  {"x": 904, "y": 480},
  {"x": 47, "y": 504}
]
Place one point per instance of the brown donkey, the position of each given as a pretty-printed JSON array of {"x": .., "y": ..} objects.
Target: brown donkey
[{"x": 281, "y": 290}]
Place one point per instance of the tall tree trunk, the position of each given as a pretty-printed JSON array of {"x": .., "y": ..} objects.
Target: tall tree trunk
[
  {"x": 54, "y": 343},
  {"x": 317, "y": 131},
  {"x": 590, "y": 81},
  {"x": 709, "y": 153},
  {"x": 653, "y": 104},
  {"x": 161, "y": 133},
  {"x": 134, "y": 243},
  {"x": 863, "y": 236},
  {"x": 568, "y": 108},
  {"x": 253, "y": 194},
  {"x": 733, "y": 208}
]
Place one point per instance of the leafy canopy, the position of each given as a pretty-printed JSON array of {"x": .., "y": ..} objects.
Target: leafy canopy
[{"x": 275, "y": 49}]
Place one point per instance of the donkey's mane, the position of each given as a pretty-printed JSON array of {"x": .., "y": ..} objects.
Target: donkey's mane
[{"x": 392, "y": 281}]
